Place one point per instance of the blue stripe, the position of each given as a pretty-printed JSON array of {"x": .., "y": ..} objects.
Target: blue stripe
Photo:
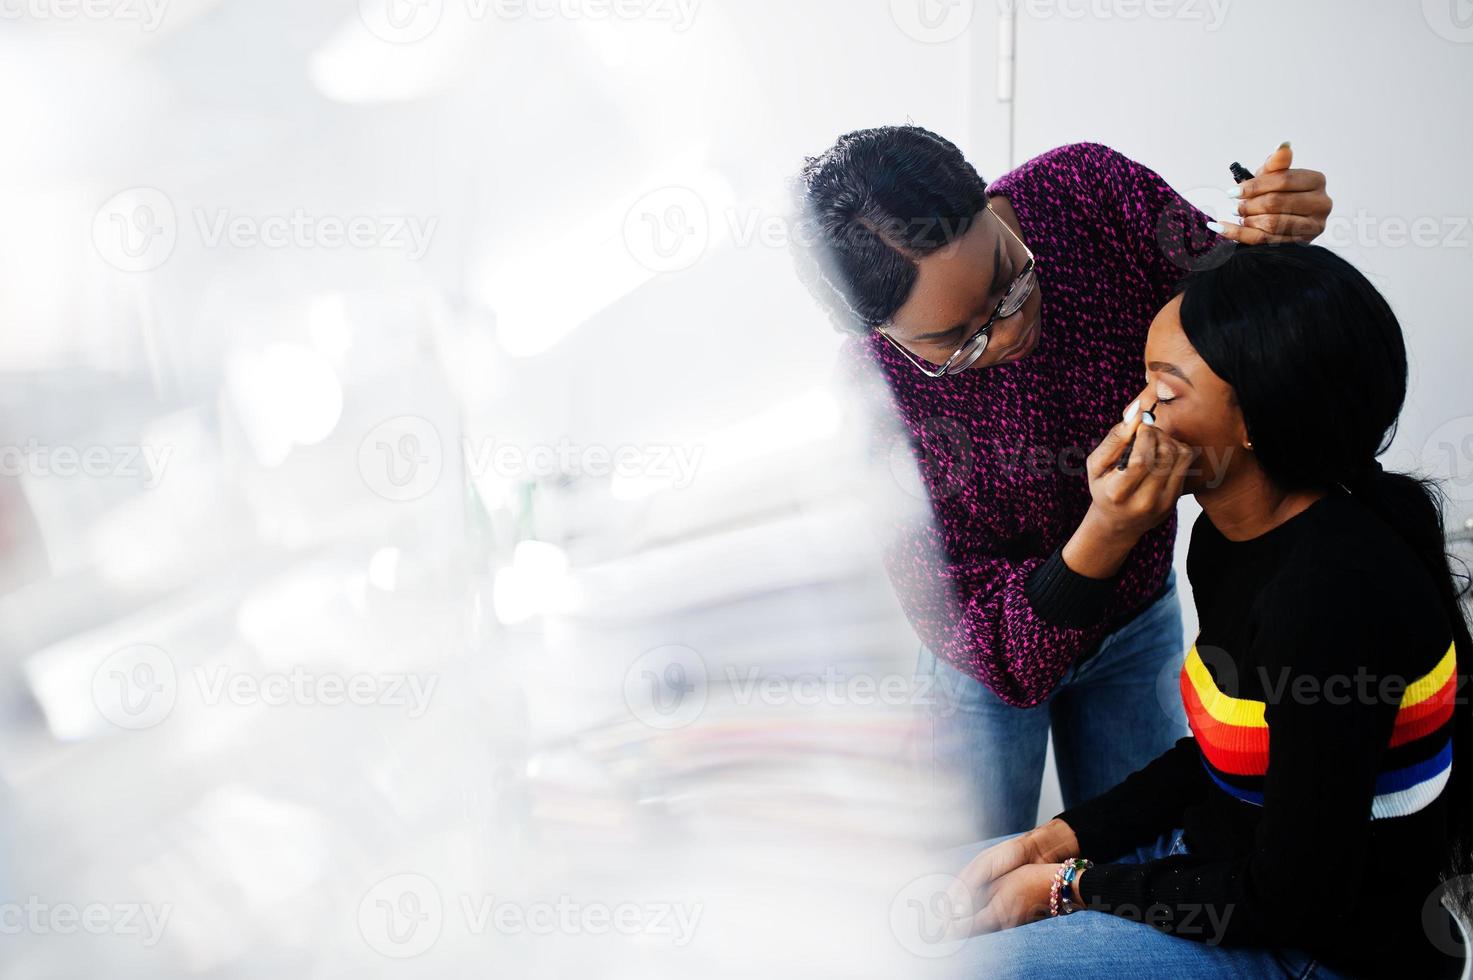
[
  {"x": 1247, "y": 795},
  {"x": 1418, "y": 772},
  {"x": 1388, "y": 782}
]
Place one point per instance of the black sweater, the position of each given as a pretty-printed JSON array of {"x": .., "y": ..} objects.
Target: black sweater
[{"x": 1329, "y": 836}]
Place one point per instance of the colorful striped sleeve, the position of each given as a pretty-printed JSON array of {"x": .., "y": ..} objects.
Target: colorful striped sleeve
[{"x": 1343, "y": 736}]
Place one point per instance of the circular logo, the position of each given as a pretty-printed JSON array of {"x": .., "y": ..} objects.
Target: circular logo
[
  {"x": 135, "y": 687},
  {"x": 925, "y": 913},
  {"x": 1184, "y": 240},
  {"x": 401, "y": 21},
  {"x": 1442, "y": 919},
  {"x": 939, "y": 464},
  {"x": 401, "y": 916},
  {"x": 933, "y": 21},
  {"x": 1168, "y": 693},
  {"x": 1448, "y": 456},
  {"x": 666, "y": 687},
  {"x": 1221, "y": 670},
  {"x": 1450, "y": 19},
  {"x": 136, "y": 229},
  {"x": 401, "y": 460},
  {"x": 668, "y": 229}
]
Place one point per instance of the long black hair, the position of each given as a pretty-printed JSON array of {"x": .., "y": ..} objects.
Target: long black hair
[
  {"x": 869, "y": 208},
  {"x": 1317, "y": 361}
]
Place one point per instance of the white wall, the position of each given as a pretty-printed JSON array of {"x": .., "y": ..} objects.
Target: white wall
[{"x": 1375, "y": 95}]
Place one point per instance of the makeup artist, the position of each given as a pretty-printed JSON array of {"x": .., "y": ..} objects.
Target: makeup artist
[{"x": 1008, "y": 323}]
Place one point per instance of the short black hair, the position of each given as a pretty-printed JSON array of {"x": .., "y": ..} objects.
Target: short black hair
[{"x": 869, "y": 208}]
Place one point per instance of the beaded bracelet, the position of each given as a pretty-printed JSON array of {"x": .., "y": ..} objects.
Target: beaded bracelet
[{"x": 1060, "y": 900}]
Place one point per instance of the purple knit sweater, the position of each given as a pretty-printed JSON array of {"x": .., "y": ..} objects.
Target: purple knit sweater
[{"x": 1001, "y": 450}]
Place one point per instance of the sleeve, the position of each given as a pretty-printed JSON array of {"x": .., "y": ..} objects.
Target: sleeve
[
  {"x": 1016, "y": 623},
  {"x": 979, "y": 612},
  {"x": 1324, "y": 753},
  {"x": 1146, "y": 804},
  {"x": 1163, "y": 235}
]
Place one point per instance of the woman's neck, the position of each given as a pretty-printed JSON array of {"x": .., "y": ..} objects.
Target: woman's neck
[{"x": 1252, "y": 505}]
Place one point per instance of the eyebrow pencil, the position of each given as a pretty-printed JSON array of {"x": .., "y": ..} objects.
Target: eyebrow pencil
[
  {"x": 1240, "y": 172},
  {"x": 1147, "y": 419}
]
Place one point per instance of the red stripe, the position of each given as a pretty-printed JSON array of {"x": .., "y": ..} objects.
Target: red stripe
[
  {"x": 1420, "y": 727},
  {"x": 1421, "y": 719},
  {"x": 1239, "y": 750}
]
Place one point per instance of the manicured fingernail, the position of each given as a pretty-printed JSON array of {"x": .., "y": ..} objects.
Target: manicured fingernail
[
  {"x": 1215, "y": 226},
  {"x": 1235, "y": 191},
  {"x": 1148, "y": 419},
  {"x": 1134, "y": 408},
  {"x": 1284, "y": 145}
]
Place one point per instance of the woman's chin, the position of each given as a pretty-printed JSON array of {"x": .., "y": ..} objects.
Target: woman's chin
[{"x": 1023, "y": 346}]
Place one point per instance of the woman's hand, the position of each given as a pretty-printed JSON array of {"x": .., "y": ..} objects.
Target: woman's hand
[
  {"x": 1017, "y": 898},
  {"x": 982, "y": 879},
  {"x": 1127, "y": 503},
  {"x": 1281, "y": 204}
]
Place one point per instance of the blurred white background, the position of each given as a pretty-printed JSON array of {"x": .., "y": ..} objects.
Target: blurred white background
[{"x": 424, "y": 502}]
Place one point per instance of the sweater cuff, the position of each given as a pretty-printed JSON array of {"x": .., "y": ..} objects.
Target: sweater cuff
[
  {"x": 1061, "y": 596},
  {"x": 1101, "y": 835},
  {"x": 1114, "y": 888}
]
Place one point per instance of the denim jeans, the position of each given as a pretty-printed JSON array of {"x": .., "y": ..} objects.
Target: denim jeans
[
  {"x": 1110, "y": 715},
  {"x": 1098, "y": 944}
]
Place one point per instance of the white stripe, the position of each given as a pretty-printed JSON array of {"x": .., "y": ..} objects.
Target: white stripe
[{"x": 1408, "y": 801}]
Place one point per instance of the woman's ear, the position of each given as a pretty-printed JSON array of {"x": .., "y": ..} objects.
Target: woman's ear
[{"x": 1240, "y": 426}]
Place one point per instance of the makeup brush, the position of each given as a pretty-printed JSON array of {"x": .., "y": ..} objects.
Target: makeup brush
[{"x": 1149, "y": 418}]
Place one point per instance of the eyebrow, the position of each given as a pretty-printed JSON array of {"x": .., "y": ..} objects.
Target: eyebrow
[
  {"x": 996, "y": 274},
  {"x": 1166, "y": 368}
]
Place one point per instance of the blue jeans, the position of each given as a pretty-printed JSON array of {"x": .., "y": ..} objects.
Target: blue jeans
[
  {"x": 1110, "y": 715},
  {"x": 1097, "y": 944}
]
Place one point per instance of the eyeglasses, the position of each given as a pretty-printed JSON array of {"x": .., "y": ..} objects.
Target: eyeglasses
[{"x": 972, "y": 348}]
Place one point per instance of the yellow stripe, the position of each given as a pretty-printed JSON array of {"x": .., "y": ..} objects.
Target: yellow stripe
[
  {"x": 1223, "y": 708},
  {"x": 1241, "y": 711},
  {"x": 1424, "y": 687}
]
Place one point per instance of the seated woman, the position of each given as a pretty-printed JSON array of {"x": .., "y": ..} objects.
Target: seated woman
[{"x": 1311, "y": 823}]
